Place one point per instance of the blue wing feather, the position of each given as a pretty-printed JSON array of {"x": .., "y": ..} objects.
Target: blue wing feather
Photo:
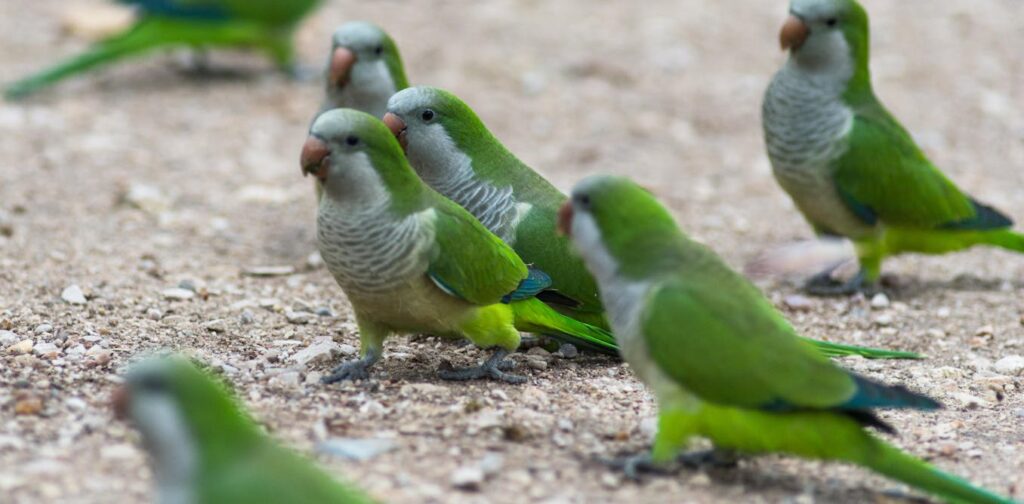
[
  {"x": 535, "y": 282},
  {"x": 178, "y": 9}
]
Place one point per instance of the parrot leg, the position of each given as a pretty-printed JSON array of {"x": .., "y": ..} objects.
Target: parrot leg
[
  {"x": 822, "y": 284},
  {"x": 635, "y": 465},
  {"x": 713, "y": 458},
  {"x": 354, "y": 370},
  {"x": 494, "y": 367}
]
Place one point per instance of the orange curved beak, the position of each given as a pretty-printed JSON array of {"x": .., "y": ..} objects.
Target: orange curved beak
[
  {"x": 565, "y": 219},
  {"x": 315, "y": 158},
  {"x": 120, "y": 402},
  {"x": 397, "y": 127},
  {"x": 794, "y": 33},
  {"x": 342, "y": 60}
]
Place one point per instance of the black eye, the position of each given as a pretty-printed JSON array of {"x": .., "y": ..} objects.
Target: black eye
[
  {"x": 831, "y": 21},
  {"x": 583, "y": 200},
  {"x": 427, "y": 115},
  {"x": 378, "y": 50},
  {"x": 153, "y": 384},
  {"x": 352, "y": 140}
]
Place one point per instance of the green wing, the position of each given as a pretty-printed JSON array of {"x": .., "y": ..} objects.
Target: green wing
[
  {"x": 727, "y": 344},
  {"x": 270, "y": 474},
  {"x": 470, "y": 262},
  {"x": 883, "y": 175}
]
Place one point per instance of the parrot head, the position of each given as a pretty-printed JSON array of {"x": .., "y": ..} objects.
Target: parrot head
[
  {"x": 182, "y": 414},
  {"x": 826, "y": 35},
  {"x": 356, "y": 158},
  {"x": 363, "y": 56},
  {"x": 434, "y": 127},
  {"x": 618, "y": 226}
]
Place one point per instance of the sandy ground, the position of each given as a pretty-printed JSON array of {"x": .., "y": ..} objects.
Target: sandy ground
[{"x": 665, "y": 91}]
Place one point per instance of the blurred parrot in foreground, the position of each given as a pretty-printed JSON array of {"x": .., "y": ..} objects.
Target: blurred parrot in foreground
[
  {"x": 453, "y": 152},
  {"x": 722, "y": 363},
  {"x": 206, "y": 450},
  {"x": 849, "y": 165},
  {"x": 411, "y": 261},
  {"x": 266, "y": 25}
]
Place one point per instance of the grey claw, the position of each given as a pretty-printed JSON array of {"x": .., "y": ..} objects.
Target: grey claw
[
  {"x": 636, "y": 465},
  {"x": 713, "y": 458},
  {"x": 494, "y": 368},
  {"x": 355, "y": 370}
]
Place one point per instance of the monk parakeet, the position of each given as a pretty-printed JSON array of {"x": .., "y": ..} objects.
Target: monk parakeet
[
  {"x": 205, "y": 449},
  {"x": 453, "y": 152},
  {"x": 720, "y": 360},
  {"x": 412, "y": 261},
  {"x": 848, "y": 164},
  {"x": 266, "y": 25},
  {"x": 364, "y": 69}
]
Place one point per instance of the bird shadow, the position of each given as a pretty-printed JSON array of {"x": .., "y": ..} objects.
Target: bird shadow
[{"x": 912, "y": 287}]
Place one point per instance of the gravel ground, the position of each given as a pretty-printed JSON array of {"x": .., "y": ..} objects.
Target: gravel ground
[{"x": 143, "y": 179}]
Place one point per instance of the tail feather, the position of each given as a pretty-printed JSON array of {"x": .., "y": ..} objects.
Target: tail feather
[
  {"x": 532, "y": 315},
  {"x": 1006, "y": 239},
  {"x": 136, "y": 40},
  {"x": 839, "y": 350},
  {"x": 892, "y": 462}
]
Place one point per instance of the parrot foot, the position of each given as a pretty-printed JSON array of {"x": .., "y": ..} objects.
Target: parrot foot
[
  {"x": 636, "y": 465},
  {"x": 823, "y": 284},
  {"x": 494, "y": 367},
  {"x": 353, "y": 370},
  {"x": 713, "y": 458},
  {"x": 534, "y": 341}
]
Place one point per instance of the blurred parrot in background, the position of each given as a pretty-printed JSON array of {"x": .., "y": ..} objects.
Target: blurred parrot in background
[
  {"x": 849, "y": 165},
  {"x": 266, "y": 25},
  {"x": 453, "y": 152},
  {"x": 412, "y": 261},
  {"x": 721, "y": 362},
  {"x": 206, "y": 450},
  {"x": 364, "y": 69}
]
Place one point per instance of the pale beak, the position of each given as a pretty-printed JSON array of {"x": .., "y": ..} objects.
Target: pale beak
[
  {"x": 794, "y": 33},
  {"x": 315, "y": 158},
  {"x": 564, "y": 227},
  {"x": 342, "y": 60},
  {"x": 397, "y": 127}
]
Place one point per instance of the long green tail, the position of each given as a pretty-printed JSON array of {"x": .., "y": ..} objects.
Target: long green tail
[
  {"x": 1007, "y": 239},
  {"x": 839, "y": 350},
  {"x": 532, "y": 315},
  {"x": 892, "y": 462}
]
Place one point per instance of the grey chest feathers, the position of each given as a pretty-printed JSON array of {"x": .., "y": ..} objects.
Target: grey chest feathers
[{"x": 370, "y": 250}]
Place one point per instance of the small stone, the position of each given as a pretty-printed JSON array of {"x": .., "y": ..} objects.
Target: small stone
[
  {"x": 943, "y": 312},
  {"x": 969, "y": 401},
  {"x": 287, "y": 379},
  {"x": 44, "y": 329},
  {"x": 324, "y": 311},
  {"x": 313, "y": 378},
  {"x": 147, "y": 198},
  {"x": 76, "y": 404},
  {"x": 317, "y": 352},
  {"x": 269, "y": 271},
  {"x": 347, "y": 350},
  {"x": 355, "y": 449},
  {"x": 216, "y": 326},
  {"x": 121, "y": 451},
  {"x": 537, "y": 363},
  {"x": 565, "y": 424},
  {"x": 1011, "y": 365},
  {"x": 154, "y": 314},
  {"x": 272, "y": 355},
  {"x": 491, "y": 464},
  {"x": 1019, "y": 412},
  {"x": 936, "y": 333},
  {"x": 178, "y": 294},
  {"x": 73, "y": 294},
  {"x": 314, "y": 260},
  {"x": 247, "y": 317},
  {"x": 46, "y": 350},
  {"x": 797, "y": 302},
  {"x": 98, "y": 356},
  {"x": 884, "y": 319},
  {"x": 985, "y": 330},
  {"x": 299, "y": 317},
  {"x": 22, "y": 347},
  {"x": 28, "y": 406},
  {"x": 7, "y": 338},
  {"x": 538, "y": 351},
  {"x": 880, "y": 301},
  {"x": 468, "y": 478},
  {"x": 568, "y": 351},
  {"x": 187, "y": 285}
]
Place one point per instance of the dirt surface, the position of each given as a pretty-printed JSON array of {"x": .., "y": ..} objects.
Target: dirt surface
[{"x": 132, "y": 181}]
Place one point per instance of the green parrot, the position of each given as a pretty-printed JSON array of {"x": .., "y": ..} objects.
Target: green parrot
[
  {"x": 363, "y": 70},
  {"x": 453, "y": 152},
  {"x": 722, "y": 363},
  {"x": 412, "y": 261},
  {"x": 849, "y": 165},
  {"x": 205, "y": 449},
  {"x": 266, "y": 25}
]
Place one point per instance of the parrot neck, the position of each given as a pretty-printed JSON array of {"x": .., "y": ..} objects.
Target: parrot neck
[
  {"x": 172, "y": 447},
  {"x": 369, "y": 87},
  {"x": 449, "y": 171},
  {"x": 372, "y": 250}
]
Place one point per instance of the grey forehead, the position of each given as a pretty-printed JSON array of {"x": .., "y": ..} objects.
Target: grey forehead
[
  {"x": 337, "y": 122},
  {"x": 358, "y": 32},
  {"x": 411, "y": 99},
  {"x": 587, "y": 185},
  {"x": 816, "y": 8}
]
